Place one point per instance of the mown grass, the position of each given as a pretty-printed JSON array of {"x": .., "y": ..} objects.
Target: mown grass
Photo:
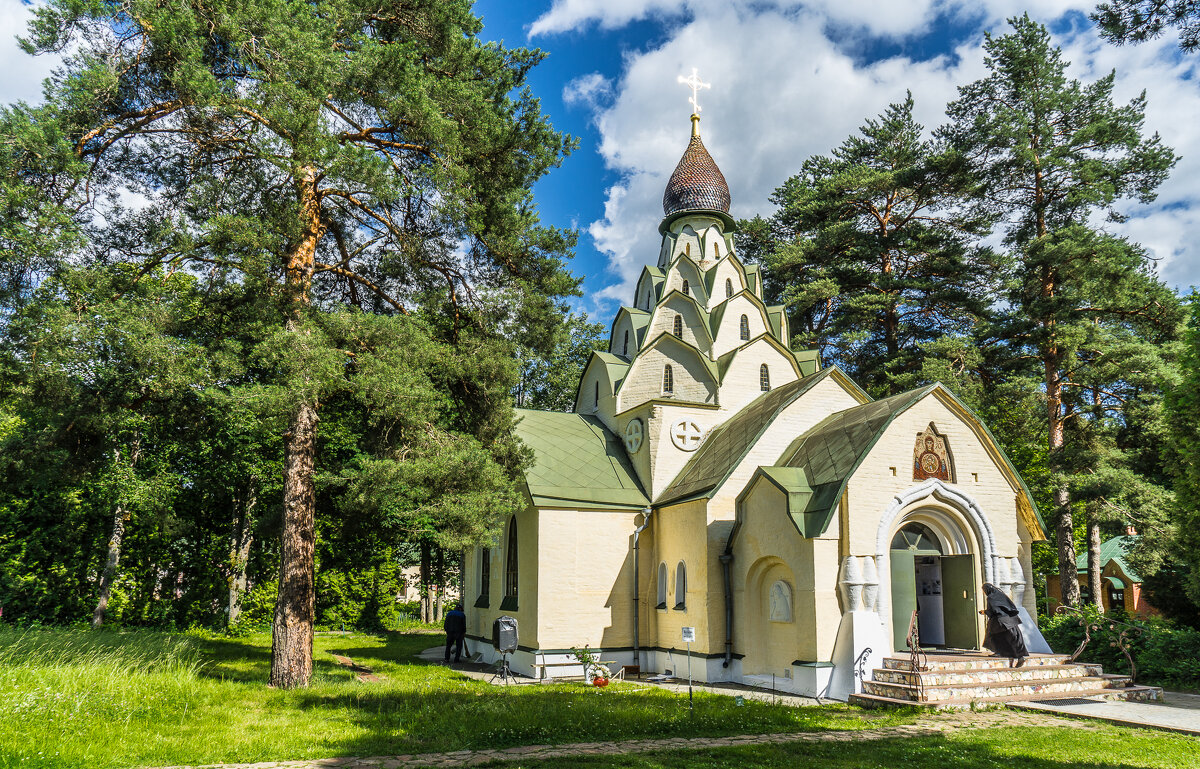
[
  {"x": 1003, "y": 748},
  {"x": 75, "y": 698}
]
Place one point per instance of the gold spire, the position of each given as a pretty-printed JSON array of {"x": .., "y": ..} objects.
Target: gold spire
[{"x": 695, "y": 124}]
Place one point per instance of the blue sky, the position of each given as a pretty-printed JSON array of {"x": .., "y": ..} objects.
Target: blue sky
[{"x": 790, "y": 78}]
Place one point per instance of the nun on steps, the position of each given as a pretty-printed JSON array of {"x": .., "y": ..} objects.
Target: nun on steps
[{"x": 1003, "y": 633}]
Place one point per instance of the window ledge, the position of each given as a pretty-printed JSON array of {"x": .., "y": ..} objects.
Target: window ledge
[
  {"x": 509, "y": 603},
  {"x": 482, "y": 602},
  {"x": 680, "y": 607},
  {"x": 662, "y": 605}
]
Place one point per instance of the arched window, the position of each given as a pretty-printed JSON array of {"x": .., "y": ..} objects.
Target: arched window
[
  {"x": 510, "y": 561},
  {"x": 662, "y": 585},
  {"x": 745, "y": 327},
  {"x": 764, "y": 378},
  {"x": 485, "y": 576},
  {"x": 668, "y": 380},
  {"x": 681, "y": 586},
  {"x": 716, "y": 250},
  {"x": 916, "y": 536},
  {"x": 625, "y": 344},
  {"x": 686, "y": 288},
  {"x": 687, "y": 248},
  {"x": 679, "y": 326},
  {"x": 596, "y": 395},
  {"x": 728, "y": 288}
]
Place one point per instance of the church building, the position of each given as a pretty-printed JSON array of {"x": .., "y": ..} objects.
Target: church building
[{"x": 710, "y": 477}]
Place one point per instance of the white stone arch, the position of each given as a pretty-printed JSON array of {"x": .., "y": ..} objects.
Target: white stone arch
[{"x": 901, "y": 511}]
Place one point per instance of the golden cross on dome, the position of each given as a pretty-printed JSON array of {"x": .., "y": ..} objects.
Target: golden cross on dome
[{"x": 695, "y": 84}]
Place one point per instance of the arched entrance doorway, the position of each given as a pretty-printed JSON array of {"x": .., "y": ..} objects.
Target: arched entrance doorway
[{"x": 934, "y": 580}]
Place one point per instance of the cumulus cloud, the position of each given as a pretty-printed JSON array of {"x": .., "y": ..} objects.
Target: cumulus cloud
[
  {"x": 783, "y": 90},
  {"x": 25, "y": 72},
  {"x": 592, "y": 90}
]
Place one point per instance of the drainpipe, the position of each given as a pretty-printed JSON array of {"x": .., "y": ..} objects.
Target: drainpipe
[
  {"x": 637, "y": 612},
  {"x": 727, "y": 570}
]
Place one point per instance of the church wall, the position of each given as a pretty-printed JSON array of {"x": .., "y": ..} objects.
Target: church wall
[
  {"x": 680, "y": 534},
  {"x": 616, "y": 345},
  {"x": 684, "y": 270},
  {"x": 826, "y": 397},
  {"x": 644, "y": 381},
  {"x": 742, "y": 385},
  {"x": 687, "y": 243},
  {"x": 641, "y": 459},
  {"x": 726, "y": 270},
  {"x": 667, "y": 458},
  {"x": 768, "y": 549},
  {"x": 479, "y": 619},
  {"x": 645, "y": 288},
  {"x": 694, "y": 330},
  {"x": 586, "y": 578},
  {"x": 715, "y": 245},
  {"x": 597, "y": 373},
  {"x": 728, "y": 334}
]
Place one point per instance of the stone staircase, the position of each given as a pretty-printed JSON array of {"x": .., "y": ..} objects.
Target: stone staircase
[{"x": 958, "y": 680}]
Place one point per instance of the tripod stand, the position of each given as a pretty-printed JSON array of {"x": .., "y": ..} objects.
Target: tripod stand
[{"x": 504, "y": 673}]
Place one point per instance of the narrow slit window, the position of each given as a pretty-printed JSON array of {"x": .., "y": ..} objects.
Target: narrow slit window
[
  {"x": 625, "y": 344},
  {"x": 681, "y": 586},
  {"x": 485, "y": 573},
  {"x": 745, "y": 327},
  {"x": 686, "y": 288},
  {"x": 717, "y": 250},
  {"x": 668, "y": 380},
  {"x": 596, "y": 396},
  {"x": 679, "y": 326},
  {"x": 510, "y": 561},
  {"x": 662, "y": 586},
  {"x": 687, "y": 249},
  {"x": 728, "y": 288},
  {"x": 764, "y": 378}
]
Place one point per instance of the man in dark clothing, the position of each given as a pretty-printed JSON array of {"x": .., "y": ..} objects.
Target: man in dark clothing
[
  {"x": 1003, "y": 632},
  {"x": 455, "y": 626}
]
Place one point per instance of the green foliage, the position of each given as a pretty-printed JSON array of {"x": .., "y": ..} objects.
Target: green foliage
[
  {"x": 364, "y": 598},
  {"x": 1182, "y": 539},
  {"x": 550, "y": 381},
  {"x": 1166, "y": 654},
  {"x": 1136, "y": 21}
]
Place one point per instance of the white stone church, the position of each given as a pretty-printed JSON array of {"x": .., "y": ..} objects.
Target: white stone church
[{"x": 711, "y": 477}]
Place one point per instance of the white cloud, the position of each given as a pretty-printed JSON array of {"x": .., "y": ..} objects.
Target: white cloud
[
  {"x": 783, "y": 90},
  {"x": 23, "y": 73},
  {"x": 593, "y": 90}
]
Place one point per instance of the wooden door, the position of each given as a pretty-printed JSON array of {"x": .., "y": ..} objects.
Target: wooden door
[{"x": 958, "y": 602}]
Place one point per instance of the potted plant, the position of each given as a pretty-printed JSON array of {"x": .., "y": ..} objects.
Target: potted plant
[{"x": 592, "y": 669}]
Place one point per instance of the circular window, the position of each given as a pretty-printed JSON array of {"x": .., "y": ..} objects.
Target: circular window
[{"x": 916, "y": 536}]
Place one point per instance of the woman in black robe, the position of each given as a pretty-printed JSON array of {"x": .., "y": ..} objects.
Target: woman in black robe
[{"x": 1003, "y": 632}]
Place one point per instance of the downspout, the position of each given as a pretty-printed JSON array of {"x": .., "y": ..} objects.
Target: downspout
[
  {"x": 727, "y": 570},
  {"x": 637, "y": 584}
]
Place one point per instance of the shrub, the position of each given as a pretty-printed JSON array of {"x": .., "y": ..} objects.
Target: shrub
[{"x": 1166, "y": 654}]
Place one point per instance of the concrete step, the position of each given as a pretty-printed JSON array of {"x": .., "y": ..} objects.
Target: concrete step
[
  {"x": 984, "y": 675},
  {"x": 1129, "y": 693},
  {"x": 935, "y": 662},
  {"x": 987, "y": 689}
]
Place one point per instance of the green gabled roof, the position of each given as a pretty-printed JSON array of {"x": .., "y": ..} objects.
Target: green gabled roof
[
  {"x": 657, "y": 277},
  {"x": 577, "y": 462},
  {"x": 617, "y": 366},
  {"x": 804, "y": 503},
  {"x": 831, "y": 451},
  {"x": 729, "y": 442},
  {"x": 775, "y": 316},
  {"x": 753, "y": 277},
  {"x": 639, "y": 319},
  {"x": 809, "y": 360},
  {"x": 1114, "y": 549}
]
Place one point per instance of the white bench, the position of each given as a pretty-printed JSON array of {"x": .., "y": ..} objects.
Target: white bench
[{"x": 543, "y": 670}]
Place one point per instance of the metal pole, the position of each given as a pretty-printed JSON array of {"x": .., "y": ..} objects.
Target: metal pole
[{"x": 689, "y": 654}]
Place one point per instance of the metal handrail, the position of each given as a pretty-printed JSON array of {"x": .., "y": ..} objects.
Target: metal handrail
[
  {"x": 918, "y": 660},
  {"x": 1125, "y": 636}
]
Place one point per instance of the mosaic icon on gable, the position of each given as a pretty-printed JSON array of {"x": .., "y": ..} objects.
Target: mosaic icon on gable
[
  {"x": 633, "y": 436},
  {"x": 931, "y": 457},
  {"x": 686, "y": 435}
]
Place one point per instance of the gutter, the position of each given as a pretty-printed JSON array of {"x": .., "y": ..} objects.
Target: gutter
[{"x": 637, "y": 612}]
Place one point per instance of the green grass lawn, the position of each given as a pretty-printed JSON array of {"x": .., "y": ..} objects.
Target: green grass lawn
[
  {"x": 1007, "y": 748},
  {"x": 76, "y": 698}
]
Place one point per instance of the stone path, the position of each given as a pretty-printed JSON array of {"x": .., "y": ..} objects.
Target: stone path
[
  {"x": 361, "y": 672},
  {"x": 1176, "y": 712},
  {"x": 929, "y": 725}
]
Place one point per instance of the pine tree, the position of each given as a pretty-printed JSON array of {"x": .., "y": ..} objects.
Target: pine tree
[
  {"x": 1050, "y": 155},
  {"x": 331, "y": 151},
  {"x": 1136, "y": 21},
  {"x": 871, "y": 251}
]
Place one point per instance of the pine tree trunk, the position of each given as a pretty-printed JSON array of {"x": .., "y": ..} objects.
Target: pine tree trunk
[
  {"x": 239, "y": 552},
  {"x": 292, "y": 633},
  {"x": 426, "y": 578},
  {"x": 1093, "y": 562},
  {"x": 110, "y": 566},
  {"x": 440, "y": 579},
  {"x": 1065, "y": 531}
]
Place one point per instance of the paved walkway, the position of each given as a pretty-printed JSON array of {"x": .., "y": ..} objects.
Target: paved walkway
[{"x": 1176, "y": 712}]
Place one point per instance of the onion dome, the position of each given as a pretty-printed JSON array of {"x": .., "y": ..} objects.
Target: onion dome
[{"x": 697, "y": 183}]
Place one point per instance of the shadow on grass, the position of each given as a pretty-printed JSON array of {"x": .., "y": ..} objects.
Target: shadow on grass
[{"x": 237, "y": 660}]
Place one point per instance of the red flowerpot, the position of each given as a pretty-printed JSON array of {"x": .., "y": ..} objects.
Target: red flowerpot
[{"x": 601, "y": 682}]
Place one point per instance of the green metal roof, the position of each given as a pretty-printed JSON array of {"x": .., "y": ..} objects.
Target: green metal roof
[
  {"x": 729, "y": 442},
  {"x": 809, "y": 360},
  {"x": 577, "y": 460},
  {"x": 804, "y": 503},
  {"x": 775, "y": 315},
  {"x": 830, "y": 452},
  {"x": 753, "y": 278},
  {"x": 1115, "y": 549},
  {"x": 617, "y": 366},
  {"x": 639, "y": 319}
]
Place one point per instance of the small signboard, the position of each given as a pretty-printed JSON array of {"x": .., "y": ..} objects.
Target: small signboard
[{"x": 689, "y": 635}]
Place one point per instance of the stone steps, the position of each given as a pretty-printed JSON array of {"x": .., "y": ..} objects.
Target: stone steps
[
  {"x": 949, "y": 680},
  {"x": 1131, "y": 694},
  {"x": 984, "y": 675}
]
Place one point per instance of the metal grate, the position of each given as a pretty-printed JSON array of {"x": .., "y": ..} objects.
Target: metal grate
[{"x": 1069, "y": 701}]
